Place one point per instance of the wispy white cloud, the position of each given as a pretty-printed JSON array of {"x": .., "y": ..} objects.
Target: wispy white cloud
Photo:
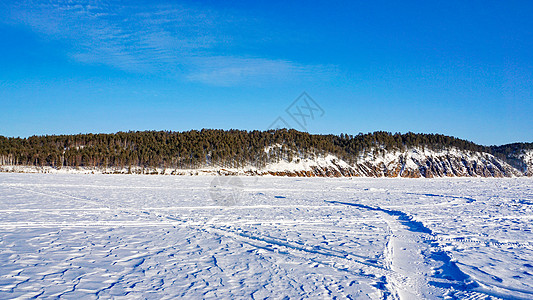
[
  {"x": 169, "y": 38},
  {"x": 227, "y": 71}
]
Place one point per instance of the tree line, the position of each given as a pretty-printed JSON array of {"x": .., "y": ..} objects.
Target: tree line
[{"x": 207, "y": 148}]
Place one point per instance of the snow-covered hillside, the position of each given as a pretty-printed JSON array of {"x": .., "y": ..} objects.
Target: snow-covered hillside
[
  {"x": 526, "y": 159},
  {"x": 519, "y": 155},
  {"x": 412, "y": 163},
  {"x": 138, "y": 237}
]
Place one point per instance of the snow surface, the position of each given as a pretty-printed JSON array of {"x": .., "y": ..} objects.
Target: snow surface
[{"x": 140, "y": 236}]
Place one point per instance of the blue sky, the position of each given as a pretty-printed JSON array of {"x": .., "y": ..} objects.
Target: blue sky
[{"x": 462, "y": 68}]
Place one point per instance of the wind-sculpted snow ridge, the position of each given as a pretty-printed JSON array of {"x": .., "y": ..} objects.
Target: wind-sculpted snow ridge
[
  {"x": 109, "y": 236},
  {"x": 413, "y": 163}
]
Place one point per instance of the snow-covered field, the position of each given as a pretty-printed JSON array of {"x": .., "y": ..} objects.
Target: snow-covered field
[{"x": 141, "y": 236}]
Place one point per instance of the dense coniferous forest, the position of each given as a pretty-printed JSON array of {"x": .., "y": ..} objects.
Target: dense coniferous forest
[{"x": 208, "y": 147}]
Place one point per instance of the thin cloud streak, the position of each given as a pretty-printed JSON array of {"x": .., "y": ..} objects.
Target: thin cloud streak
[
  {"x": 228, "y": 71},
  {"x": 170, "y": 39}
]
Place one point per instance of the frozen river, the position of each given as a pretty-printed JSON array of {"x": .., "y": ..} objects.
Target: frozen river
[{"x": 130, "y": 236}]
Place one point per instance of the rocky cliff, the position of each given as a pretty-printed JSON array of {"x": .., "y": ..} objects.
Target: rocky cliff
[
  {"x": 518, "y": 155},
  {"x": 522, "y": 160},
  {"x": 412, "y": 163}
]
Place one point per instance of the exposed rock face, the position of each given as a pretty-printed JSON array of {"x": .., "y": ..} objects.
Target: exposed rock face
[{"x": 414, "y": 163}]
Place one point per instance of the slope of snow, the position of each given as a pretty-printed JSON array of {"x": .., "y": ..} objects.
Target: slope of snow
[
  {"x": 328, "y": 161},
  {"x": 91, "y": 236}
]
